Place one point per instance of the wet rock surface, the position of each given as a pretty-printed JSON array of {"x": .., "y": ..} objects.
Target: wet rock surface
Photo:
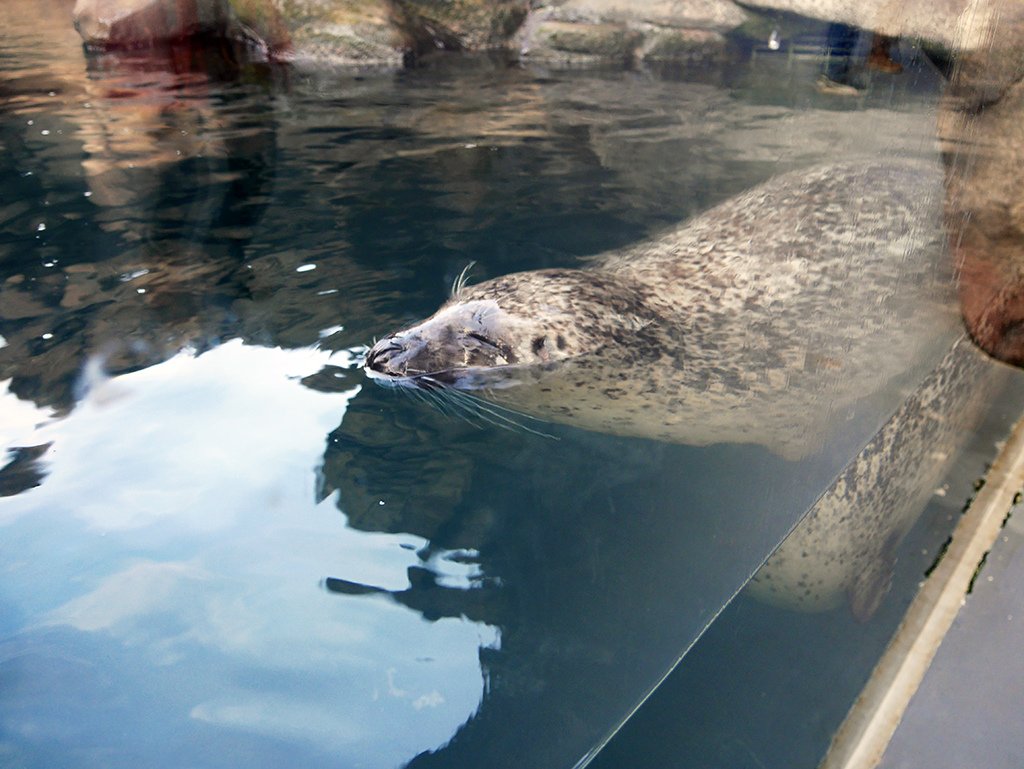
[
  {"x": 473, "y": 25},
  {"x": 141, "y": 23},
  {"x": 581, "y": 30},
  {"x": 351, "y": 32},
  {"x": 354, "y": 32}
]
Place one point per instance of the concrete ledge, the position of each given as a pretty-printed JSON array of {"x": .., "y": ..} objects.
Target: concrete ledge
[{"x": 871, "y": 722}]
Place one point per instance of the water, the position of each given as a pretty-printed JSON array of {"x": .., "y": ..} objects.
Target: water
[{"x": 221, "y": 545}]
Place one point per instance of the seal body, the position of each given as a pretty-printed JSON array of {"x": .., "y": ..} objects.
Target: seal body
[{"x": 752, "y": 323}]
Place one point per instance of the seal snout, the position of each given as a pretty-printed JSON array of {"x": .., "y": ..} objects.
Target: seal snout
[
  {"x": 390, "y": 356},
  {"x": 410, "y": 359}
]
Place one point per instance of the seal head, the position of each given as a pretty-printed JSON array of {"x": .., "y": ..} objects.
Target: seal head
[{"x": 506, "y": 332}]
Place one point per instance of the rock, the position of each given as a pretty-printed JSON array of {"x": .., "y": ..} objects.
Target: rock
[
  {"x": 990, "y": 55},
  {"x": 344, "y": 31},
  {"x": 472, "y": 25},
  {"x": 264, "y": 22},
  {"x": 143, "y": 23},
  {"x": 683, "y": 45},
  {"x": 378, "y": 32},
  {"x": 357, "y": 32},
  {"x": 618, "y": 30},
  {"x": 717, "y": 15},
  {"x": 981, "y": 129},
  {"x": 581, "y": 42}
]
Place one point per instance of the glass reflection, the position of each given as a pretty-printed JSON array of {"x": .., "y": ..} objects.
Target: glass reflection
[{"x": 790, "y": 654}]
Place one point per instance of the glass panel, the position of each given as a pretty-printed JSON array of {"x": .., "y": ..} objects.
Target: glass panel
[
  {"x": 774, "y": 676},
  {"x": 222, "y": 544}
]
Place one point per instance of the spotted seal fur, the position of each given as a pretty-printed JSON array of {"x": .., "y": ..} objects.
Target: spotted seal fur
[
  {"x": 752, "y": 323},
  {"x": 845, "y": 547}
]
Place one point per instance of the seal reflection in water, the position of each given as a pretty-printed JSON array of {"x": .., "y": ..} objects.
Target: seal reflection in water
[{"x": 752, "y": 323}]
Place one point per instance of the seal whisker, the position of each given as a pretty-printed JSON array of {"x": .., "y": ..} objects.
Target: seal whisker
[
  {"x": 472, "y": 408},
  {"x": 419, "y": 395},
  {"x": 436, "y": 399},
  {"x": 470, "y": 404},
  {"x": 494, "y": 404},
  {"x": 441, "y": 397},
  {"x": 460, "y": 282},
  {"x": 467, "y": 407},
  {"x": 483, "y": 409},
  {"x": 461, "y": 409}
]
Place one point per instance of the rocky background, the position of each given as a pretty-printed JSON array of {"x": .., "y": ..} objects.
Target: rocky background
[
  {"x": 390, "y": 32},
  {"x": 980, "y": 44}
]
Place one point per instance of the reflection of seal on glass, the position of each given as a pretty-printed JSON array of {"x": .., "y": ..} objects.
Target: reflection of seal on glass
[
  {"x": 751, "y": 324},
  {"x": 846, "y": 545}
]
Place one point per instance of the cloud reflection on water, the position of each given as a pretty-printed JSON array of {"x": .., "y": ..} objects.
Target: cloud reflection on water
[{"x": 183, "y": 533}]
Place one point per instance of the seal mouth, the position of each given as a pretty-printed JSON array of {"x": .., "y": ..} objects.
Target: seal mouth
[
  {"x": 459, "y": 378},
  {"x": 388, "y": 363},
  {"x": 436, "y": 380}
]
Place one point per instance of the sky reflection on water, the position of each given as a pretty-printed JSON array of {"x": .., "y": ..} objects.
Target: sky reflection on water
[{"x": 178, "y": 524}]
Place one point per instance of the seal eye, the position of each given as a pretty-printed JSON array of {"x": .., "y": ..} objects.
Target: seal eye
[
  {"x": 483, "y": 339},
  {"x": 494, "y": 347}
]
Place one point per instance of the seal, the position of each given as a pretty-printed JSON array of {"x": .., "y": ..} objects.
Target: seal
[
  {"x": 758, "y": 321},
  {"x": 752, "y": 323},
  {"x": 845, "y": 546}
]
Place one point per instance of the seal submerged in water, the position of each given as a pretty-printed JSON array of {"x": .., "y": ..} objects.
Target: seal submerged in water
[{"x": 751, "y": 323}]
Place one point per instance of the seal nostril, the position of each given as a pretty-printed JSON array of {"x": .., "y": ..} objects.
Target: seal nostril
[
  {"x": 376, "y": 358},
  {"x": 382, "y": 357}
]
